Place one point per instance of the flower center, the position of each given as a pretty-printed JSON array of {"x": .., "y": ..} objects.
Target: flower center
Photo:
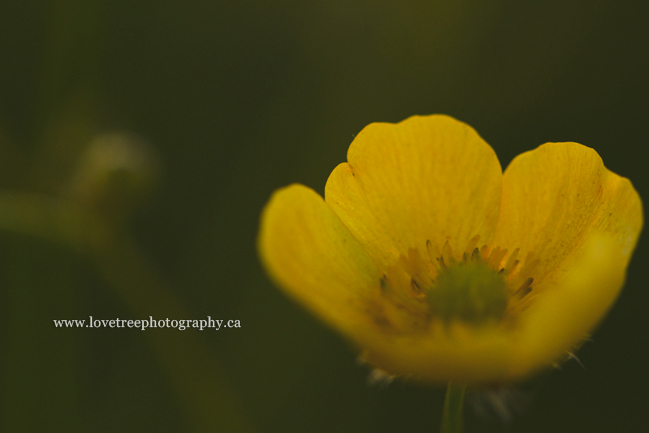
[
  {"x": 470, "y": 291},
  {"x": 478, "y": 286}
]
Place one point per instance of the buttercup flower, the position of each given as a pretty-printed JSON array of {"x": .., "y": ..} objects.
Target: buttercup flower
[{"x": 439, "y": 267}]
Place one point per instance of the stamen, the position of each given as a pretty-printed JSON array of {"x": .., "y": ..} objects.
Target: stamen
[
  {"x": 473, "y": 242},
  {"x": 530, "y": 264},
  {"x": 447, "y": 253},
  {"x": 479, "y": 284},
  {"x": 415, "y": 287},
  {"x": 522, "y": 304},
  {"x": 511, "y": 260},
  {"x": 525, "y": 288},
  {"x": 499, "y": 258},
  {"x": 484, "y": 251},
  {"x": 510, "y": 269},
  {"x": 492, "y": 256},
  {"x": 429, "y": 250}
]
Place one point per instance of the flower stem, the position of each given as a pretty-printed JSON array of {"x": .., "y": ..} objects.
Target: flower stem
[{"x": 453, "y": 404}]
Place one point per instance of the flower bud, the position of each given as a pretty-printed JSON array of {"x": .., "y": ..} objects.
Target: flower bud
[{"x": 116, "y": 173}]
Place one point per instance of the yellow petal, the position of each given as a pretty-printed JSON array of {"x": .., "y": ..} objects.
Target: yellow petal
[
  {"x": 312, "y": 256},
  {"x": 426, "y": 178},
  {"x": 562, "y": 316},
  {"x": 554, "y": 197},
  {"x": 457, "y": 353}
]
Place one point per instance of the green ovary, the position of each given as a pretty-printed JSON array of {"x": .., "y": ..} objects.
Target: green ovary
[{"x": 472, "y": 292}]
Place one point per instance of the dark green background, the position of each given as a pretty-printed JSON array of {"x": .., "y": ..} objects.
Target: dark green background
[{"x": 240, "y": 98}]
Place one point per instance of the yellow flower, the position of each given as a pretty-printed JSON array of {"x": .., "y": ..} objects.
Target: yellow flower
[{"x": 440, "y": 267}]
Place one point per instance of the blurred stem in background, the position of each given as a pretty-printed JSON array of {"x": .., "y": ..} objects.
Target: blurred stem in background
[
  {"x": 65, "y": 123},
  {"x": 183, "y": 356}
]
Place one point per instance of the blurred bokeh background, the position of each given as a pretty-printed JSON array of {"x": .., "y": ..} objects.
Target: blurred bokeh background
[{"x": 140, "y": 139}]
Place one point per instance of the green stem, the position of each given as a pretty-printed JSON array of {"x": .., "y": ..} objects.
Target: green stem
[{"x": 453, "y": 404}]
